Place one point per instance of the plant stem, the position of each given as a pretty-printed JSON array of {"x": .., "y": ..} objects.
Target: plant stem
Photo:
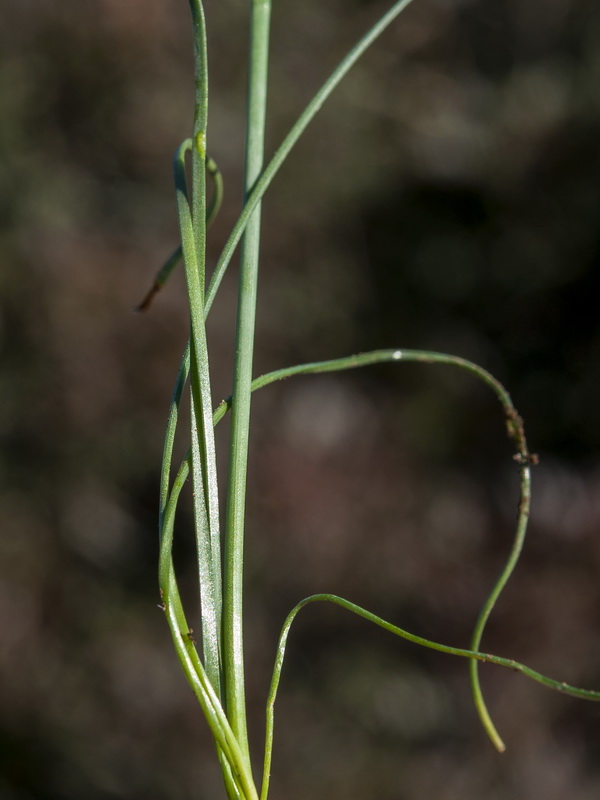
[{"x": 242, "y": 380}]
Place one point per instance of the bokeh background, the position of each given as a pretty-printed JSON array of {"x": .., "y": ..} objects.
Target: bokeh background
[{"x": 448, "y": 197}]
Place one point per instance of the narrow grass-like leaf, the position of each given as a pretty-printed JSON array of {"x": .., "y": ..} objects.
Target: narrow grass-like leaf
[
  {"x": 193, "y": 241},
  {"x": 267, "y": 175},
  {"x": 204, "y": 476},
  {"x": 522, "y": 521},
  {"x": 559, "y": 686}
]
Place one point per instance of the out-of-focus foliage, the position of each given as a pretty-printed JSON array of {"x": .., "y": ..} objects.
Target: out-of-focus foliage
[{"x": 448, "y": 196}]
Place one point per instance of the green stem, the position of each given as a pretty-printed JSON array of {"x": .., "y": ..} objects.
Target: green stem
[{"x": 242, "y": 380}]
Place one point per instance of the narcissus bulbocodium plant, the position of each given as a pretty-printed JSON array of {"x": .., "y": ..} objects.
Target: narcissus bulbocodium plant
[{"x": 215, "y": 667}]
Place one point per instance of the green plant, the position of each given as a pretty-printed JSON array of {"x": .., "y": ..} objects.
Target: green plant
[{"x": 217, "y": 678}]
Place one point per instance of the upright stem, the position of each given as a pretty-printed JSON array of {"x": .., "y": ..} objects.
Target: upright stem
[{"x": 242, "y": 379}]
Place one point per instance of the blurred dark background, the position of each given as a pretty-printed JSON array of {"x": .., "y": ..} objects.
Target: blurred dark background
[{"x": 447, "y": 197}]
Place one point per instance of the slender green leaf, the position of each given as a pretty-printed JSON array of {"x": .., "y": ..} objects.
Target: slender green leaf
[{"x": 559, "y": 686}]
